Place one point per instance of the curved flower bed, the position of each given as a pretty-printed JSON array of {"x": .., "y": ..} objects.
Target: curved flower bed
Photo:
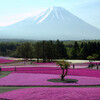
[
  {"x": 6, "y": 60},
  {"x": 54, "y": 70},
  {"x": 53, "y": 94},
  {"x": 22, "y": 79}
]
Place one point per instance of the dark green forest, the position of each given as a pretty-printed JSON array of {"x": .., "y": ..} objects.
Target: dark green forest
[{"x": 48, "y": 50}]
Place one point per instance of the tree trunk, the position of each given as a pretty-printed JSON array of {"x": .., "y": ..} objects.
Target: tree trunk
[{"x": 62, "y": 77}]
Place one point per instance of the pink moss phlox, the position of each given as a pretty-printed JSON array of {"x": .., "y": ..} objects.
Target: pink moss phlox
[
  {"x": 24, "y": 79},
  {"x": 71, "y": 93},
  {"x": 55, "y": 70},
  {"x": 6, "y": 60}
]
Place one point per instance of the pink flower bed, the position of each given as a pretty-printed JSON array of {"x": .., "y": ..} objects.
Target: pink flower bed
[
  {"x": 55, "y": 70},
  {"x": 53, "y": 94},
  {"x": 23, "y": 79},
  {"x": 85, "y": 72},
  {"x": 6, "y": 61}
]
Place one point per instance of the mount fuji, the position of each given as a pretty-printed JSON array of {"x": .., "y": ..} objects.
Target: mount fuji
[{"x": 51, "y": 24}]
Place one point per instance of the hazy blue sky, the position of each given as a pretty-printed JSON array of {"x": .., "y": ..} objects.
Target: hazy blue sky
[{"x": 15, "y": 10}]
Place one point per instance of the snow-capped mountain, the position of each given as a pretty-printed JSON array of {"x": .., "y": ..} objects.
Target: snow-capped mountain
[{"x": 53, "y": 23}]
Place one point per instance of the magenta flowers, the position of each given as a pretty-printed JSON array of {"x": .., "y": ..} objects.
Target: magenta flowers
[
  {"x": 38, "y": 75},
  {"x": 24, "y": 79},
  {"x": 55, "y": 70},
  {"x": 66, "y": 93},
  {"x": 6, "y": 60}
]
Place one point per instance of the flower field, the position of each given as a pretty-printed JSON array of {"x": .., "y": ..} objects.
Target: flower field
[
  {"x": 55, "y": 70},
  {"x": 53, "y": 94},
  {"x": 23, "y": 79},
  {"x": 39, "y": 74},
  {"x": 6, "y": 60}
]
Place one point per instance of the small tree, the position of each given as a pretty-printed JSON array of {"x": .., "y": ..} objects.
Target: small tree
[
  {"x": 90, "y": 58},
  {"x": 93, "y": 57},
  {"x": 64, "y": 66}
]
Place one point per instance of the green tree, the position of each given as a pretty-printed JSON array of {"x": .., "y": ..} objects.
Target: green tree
[
  {"x": 50, "y": 50},
  {"x": 75, "y": 51},
  {"x": 37, "y": 51},
  {"x": 84, "y": 51},
  {"x": 25, "y": 50},
  {"x": 93, "y": 57},
  {"x": 64, "y": 66},
  {"x": 44, "y": 51},
  {"x": 60, "y": 50}
]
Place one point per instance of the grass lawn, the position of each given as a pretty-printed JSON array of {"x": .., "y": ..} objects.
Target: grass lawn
[
  {"x": 10, "y": 88},
  {"x": 4, "y": 73},
  {"x": 6, "y": 89}
]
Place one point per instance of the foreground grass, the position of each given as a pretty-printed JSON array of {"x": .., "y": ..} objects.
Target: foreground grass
[
  {"x": 10, "y": 88},
  {"x": 4, "y": 73},
  {"x": 6, "y": 89}
]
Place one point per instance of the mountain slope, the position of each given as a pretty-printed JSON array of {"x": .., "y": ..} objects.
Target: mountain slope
[{"x": 53, "y": 23}]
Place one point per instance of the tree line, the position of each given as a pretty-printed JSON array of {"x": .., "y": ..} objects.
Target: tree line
[
  {"x": 48, "y": 50},
  {"x": 84, "y": 50}
]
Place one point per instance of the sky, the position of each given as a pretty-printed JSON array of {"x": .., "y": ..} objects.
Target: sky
[{"x": 12, "y": 11}]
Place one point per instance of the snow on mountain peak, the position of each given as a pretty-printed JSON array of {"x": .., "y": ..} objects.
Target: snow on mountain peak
[
  {"x": 42, "y": 16},
  {"x": 52, "y": 12}
]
